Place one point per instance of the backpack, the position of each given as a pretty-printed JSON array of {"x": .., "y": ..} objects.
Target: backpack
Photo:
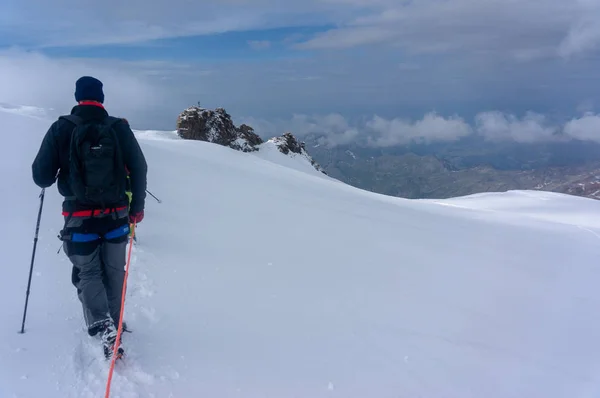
[{"x": 97, "y": 173}]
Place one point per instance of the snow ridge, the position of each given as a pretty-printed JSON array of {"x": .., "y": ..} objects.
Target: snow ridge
[{"x": 258, "y": 276}]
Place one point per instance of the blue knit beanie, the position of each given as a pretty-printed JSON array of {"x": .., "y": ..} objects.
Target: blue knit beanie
[{"x": 89, "y": 89}]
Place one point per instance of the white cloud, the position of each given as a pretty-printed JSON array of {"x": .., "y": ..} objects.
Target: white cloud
[
  {"x": 134, "y": 21},
  {"x": 584, "y": 34},
  {"x": 586, "y": 128},
  {"x": 334, "y": 127},
  {"x": 523, "y": 29},
  {"x": 336, "y": 130},
  {"x": 26, "y": 110},
  {"x": 498, "y": 126},
  {"x": 381, "y": 132},
  {"x": 431, "y": 128},
  {"x": 29, "y": 79},
  {"x": 581, "y": 38}
]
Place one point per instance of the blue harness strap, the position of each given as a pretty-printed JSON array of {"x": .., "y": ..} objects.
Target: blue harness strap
[
  {"x": 78, "y": 237},
  {"x": 115, "y": 233}
]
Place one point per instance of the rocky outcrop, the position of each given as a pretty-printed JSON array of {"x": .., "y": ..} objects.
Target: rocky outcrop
[
  {"x": 288, "y": 144},
  {"x": 247, "y": 133},
  {"x": 196, "y": 123}
]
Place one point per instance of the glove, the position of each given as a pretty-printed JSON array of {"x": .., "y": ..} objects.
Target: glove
[{"x": 137, "y": 217}]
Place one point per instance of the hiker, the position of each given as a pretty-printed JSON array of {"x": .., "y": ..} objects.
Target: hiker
[{"x": 93, "y": 153}]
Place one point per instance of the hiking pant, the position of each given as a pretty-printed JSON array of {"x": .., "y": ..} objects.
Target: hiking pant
[
  {"x": 98, "y": 277},
  {"x": 97, "y": 249}
]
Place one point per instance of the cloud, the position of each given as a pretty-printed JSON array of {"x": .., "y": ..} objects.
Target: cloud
[
  {"x": 581, "y": 38},
  {"x": 384, "y": 57},
  {"x": 25, "y": 110},
  {"x": 334, "y": 128},
  {"x": 498, "y": 126},
  {"x": 523, "y": 30},
  {"x": 586, "y": 128},
  {"x": 379, "y": 132},
  {"x": 259, "y": 44},
  {"x": 41, "y": 23},
  {"x": 400, "y": 90},
  {"x": 429, "y": 129},
  {"x": 34, "y": 80},
  {"x": 584, "y": 34}
]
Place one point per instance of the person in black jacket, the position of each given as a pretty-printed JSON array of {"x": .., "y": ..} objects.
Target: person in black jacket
[{"x": 94, "y": 238}]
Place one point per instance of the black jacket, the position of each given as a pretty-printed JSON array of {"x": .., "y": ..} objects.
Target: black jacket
[{"x": 53, "y": 158}]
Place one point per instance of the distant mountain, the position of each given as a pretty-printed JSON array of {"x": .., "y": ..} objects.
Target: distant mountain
[
  {"x": 587, "y": 185},
  {"x": 468, "y": 166}
]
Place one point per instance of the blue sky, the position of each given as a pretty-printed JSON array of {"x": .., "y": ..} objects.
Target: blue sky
[{"x": 336, "y": 66}]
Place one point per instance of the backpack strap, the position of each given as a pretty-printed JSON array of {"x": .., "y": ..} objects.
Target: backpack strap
[
  {"x": 76, "y": 120},
  {"x": 110, "y": 122}
]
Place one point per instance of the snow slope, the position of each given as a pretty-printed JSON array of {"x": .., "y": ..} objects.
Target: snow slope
[{"x": 258, "y": 278}]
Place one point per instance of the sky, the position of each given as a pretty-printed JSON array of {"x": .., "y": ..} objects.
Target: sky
[{"x": 390, "y": 69}]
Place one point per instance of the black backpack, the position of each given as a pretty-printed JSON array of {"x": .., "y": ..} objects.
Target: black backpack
[{"x": 97, "y": 174}]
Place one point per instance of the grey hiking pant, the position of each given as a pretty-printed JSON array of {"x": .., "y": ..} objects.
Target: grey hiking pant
[{"x": 98, "y": 277}]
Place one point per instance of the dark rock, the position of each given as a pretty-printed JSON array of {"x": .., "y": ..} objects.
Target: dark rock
[
  {"x": 288, "y": 144},
  {"x": 196, "y": 123},
  {"x": 246, "y": 132}
]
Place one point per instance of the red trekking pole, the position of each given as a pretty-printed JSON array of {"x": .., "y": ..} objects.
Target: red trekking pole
[{"x": 120, "y": 329}]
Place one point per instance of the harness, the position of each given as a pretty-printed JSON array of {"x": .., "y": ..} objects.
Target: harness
[
  {"x": 75, "y": 219},
  {"x": 90, "y": 237}
]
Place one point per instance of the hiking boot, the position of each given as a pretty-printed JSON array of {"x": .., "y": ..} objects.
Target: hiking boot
[{"x": 109, "y": 338}]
